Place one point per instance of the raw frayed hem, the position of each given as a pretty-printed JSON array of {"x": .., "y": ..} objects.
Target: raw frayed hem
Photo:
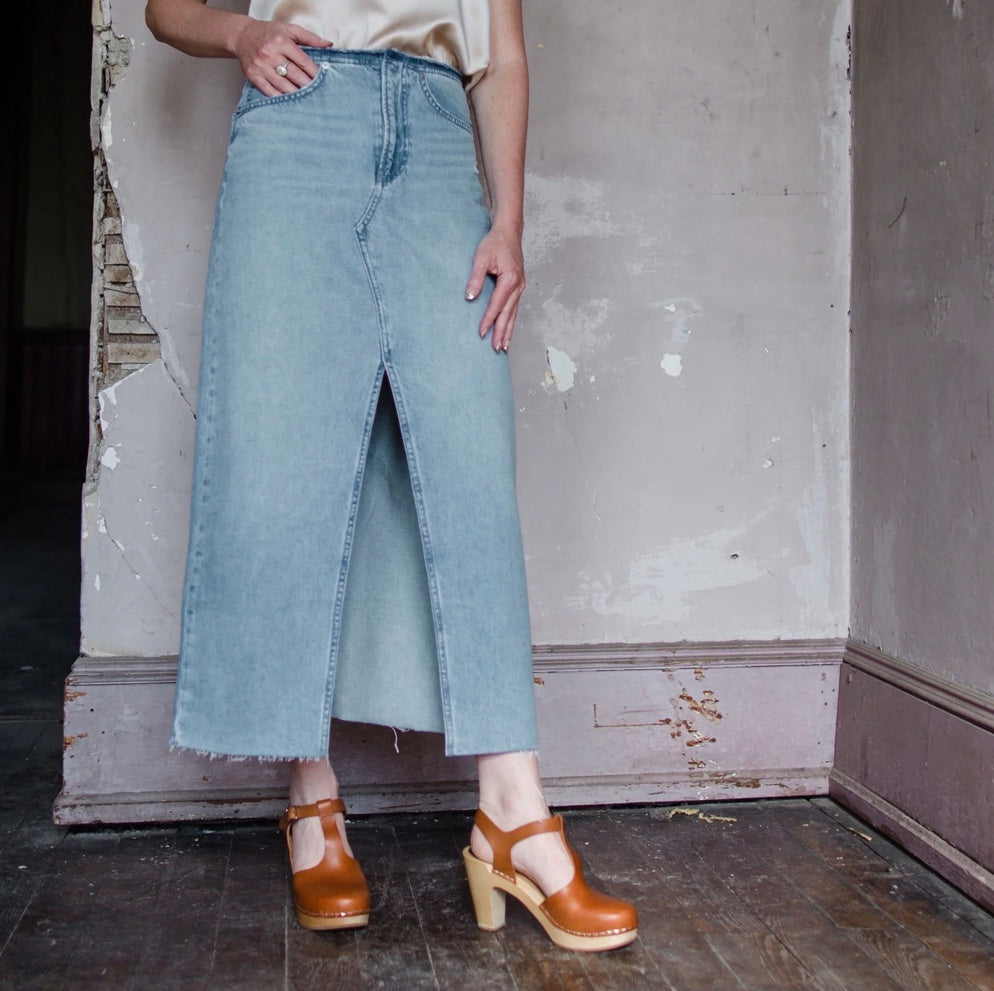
[
  {"x": 396, "y": 737},
  {"x": 175, "y": 747}
]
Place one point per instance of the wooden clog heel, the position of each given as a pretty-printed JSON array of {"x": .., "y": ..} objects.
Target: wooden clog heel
[{"x": 575, "y": 917}]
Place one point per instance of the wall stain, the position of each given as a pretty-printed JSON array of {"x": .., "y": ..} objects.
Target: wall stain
[
  {"x": 694, "y": 736},
  {"x": 70, "y": 741},
  {"x": 730, "y": 778},
  {"x": 706, "y": 706}
]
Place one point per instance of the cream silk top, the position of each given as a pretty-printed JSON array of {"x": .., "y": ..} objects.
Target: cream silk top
[{"x": 456, "y": 32}]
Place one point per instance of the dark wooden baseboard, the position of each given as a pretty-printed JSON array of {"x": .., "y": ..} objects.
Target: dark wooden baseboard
[
  {"x": 619, "y": 723},
  {"x": 915, "y": 758}
]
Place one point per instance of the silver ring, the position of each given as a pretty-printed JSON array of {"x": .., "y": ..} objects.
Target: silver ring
[{"x": 281, "y": 69}]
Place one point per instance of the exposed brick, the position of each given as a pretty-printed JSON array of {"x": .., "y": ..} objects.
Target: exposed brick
[
  {"x": 128, "y": 325},
  {"x": 121, "y": 297},
  {"x": 117, "y": 274},
  {"x": 125, "y": 341},
  {"x": 114, "y": 253},
  {"x": 139, "y": 353}
]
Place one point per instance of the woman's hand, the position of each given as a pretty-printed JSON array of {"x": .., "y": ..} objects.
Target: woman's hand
[
  {"x": 499, "y": 254},
  {"x": 271, "y": 57},
  {"x": 269, "y": 52}
]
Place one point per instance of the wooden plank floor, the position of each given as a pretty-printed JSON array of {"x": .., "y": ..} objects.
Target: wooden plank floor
[
  {"x": 763, "y": 895},
  {"x": 756, "y": 896}
]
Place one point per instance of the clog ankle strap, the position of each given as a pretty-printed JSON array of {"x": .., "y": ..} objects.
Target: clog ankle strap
[
  {"x": 501, "y": 843},
  {"x": 324, "y": 810}
]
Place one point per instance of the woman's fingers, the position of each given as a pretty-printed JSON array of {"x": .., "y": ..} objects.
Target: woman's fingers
[
  {"x": 478, "y": 276},
  {"x": 498, "y": 255},
  {"x": 504, "y": 325},
  {"x": 298, "y": 57},
  {"x": 272, "y": 59},
  {"x": 501, "y": 311}
]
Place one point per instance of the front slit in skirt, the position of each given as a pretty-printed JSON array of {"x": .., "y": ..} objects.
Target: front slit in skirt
[{"x": 355, "y": 548}]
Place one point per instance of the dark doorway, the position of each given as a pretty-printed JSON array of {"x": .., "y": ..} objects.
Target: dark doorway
[{"x": 45, "y": 250}]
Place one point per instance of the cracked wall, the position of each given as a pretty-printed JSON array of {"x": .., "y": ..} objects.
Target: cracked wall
[{"x": 681, "y": 359}]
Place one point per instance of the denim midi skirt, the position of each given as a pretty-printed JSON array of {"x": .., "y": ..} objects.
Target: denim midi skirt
[{"x": 355, "y": 547}]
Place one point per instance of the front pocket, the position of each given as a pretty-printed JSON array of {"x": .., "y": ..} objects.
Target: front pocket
[
  {"x": 252, "y": 98},
  {"x": 447, "y": 98}
]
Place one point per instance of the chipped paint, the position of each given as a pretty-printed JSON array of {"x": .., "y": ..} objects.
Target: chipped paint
[
  {"x": 679, "y": 312},
  {"x": 109, "y": 459},
  {"x": 71, "y": 741},
  {"x": 694, "y": 737},
  {"x": 730, "y": 778},
  {"x": 668, "y": 580},
  {"x": 672, "y": 364},
  {"x": 578, "y": 327},
  {"x": 706, "y": 705},
  {"x": 561, "y": 372},
  {"x": 103, "y": 397}
]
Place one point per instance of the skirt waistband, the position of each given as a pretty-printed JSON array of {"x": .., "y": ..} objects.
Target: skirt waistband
[{"x": 378, "y": 58}]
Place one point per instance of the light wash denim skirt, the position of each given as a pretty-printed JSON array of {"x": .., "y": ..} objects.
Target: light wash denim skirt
[{"x": 355, "y": 548}]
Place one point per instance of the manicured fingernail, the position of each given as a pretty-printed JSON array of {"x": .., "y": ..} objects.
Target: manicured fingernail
[{"x": 470, "y": 296}]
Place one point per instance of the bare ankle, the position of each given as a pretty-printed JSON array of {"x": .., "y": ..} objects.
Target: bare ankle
[
  {"x": 511, "y": 790},
  {"x": 311, "y": 781}
]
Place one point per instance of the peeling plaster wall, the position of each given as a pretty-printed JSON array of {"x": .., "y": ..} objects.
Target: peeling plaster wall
[
  {"x": 681, "y": 369},
  {"x": 681, "y": 362},
  {"x": 923, "y": 359}
]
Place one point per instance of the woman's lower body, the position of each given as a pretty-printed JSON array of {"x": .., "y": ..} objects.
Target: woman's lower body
[
  {"x": 346, "y": 225},
  {"x": 355, "y": 547}
]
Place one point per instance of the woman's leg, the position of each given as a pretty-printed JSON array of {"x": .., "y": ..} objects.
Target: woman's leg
[
  {"x": 574, "y": 915},
  {"x": 511, "y": 795},
  {"x": 310, "y": 781}
]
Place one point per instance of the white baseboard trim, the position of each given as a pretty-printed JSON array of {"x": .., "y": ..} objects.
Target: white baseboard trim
[
  {"x": 619, "y": 723},
  {"x": 235, "y": 804}
]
